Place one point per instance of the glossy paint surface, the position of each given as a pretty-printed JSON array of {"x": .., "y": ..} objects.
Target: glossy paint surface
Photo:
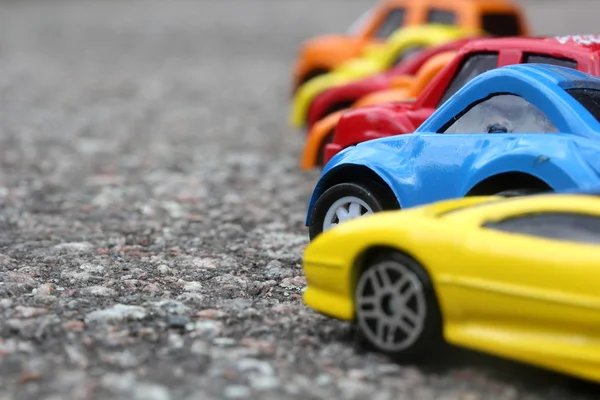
[
  {"x": 401, "y": 88},
  {"x": 378, "y": 58},
  {"x": 517, "y": 295},
  {"x": 428, "y": 166},
  {"x": 327, "y": 52},
  {"x": 363, "y": 124},
  {"x": 351, "y": 92}
]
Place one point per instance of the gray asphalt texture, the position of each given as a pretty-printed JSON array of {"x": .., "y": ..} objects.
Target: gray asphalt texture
[{"x": 151, "y": 212}]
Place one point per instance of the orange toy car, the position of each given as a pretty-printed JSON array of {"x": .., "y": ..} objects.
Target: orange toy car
[
  {"x": 322, "y": 54},
  {"x": 402, "y": 88}
]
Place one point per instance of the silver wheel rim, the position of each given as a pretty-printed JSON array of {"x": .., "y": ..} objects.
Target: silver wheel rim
[
  {"x": 390, "y": 306},
  {"x": 345, "y": 209}
]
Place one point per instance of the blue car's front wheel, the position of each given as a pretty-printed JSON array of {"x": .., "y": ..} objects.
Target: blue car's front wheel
[{"x": 346, "y": 201}]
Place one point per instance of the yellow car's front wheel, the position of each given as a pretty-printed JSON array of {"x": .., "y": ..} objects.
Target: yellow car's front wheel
[{"x": 396, "y": 307}]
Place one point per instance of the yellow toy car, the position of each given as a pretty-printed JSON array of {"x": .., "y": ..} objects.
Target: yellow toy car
[
  {"x": 516, "y": 277},
  {"x": 377, "y": 58}
]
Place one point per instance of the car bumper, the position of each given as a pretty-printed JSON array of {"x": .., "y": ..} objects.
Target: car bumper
[{"x": 328, "y": 290}]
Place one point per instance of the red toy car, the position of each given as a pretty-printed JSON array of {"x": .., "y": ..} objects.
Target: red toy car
[
  {"x": 580, "y": 52},
  {"x": 342, "y": 97}
]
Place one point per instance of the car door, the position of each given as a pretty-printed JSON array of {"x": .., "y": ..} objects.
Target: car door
[
  {"x": 533, "y": 272},
  {"x": 445, "y": 160}
]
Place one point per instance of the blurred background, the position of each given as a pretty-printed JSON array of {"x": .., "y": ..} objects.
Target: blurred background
[
  {"x": 93, "y": 87},
  {"x": 99, "y": 80},
  {"x": 216, "y": 62}
]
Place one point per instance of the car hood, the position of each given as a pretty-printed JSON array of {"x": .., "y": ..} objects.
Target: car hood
[{"x": 376, "y": 151}]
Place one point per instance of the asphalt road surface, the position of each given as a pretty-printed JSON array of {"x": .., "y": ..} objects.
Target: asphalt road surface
[{"x": 151, "y": 212}]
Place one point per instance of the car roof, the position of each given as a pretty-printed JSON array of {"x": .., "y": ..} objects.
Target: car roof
[
  {"x": 586, "y": 44},
  {"x": 563, "y": 77},
  {"x": 542, "y": 76},
  {"x": 412, "y": 64}
]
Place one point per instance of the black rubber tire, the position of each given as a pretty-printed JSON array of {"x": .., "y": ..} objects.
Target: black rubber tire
[
  {"x": 430, "y": 342},
  {"x": 376, "y": 196},
  {"x": 519, "y": 192}
]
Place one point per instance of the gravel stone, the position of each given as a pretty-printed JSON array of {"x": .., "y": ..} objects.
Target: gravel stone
[
  {"x": 192, "y": 286},
  {"x": 164, "y": 270},
  {"x": 74, "y": 247},
  {"x": 177, "y": 321},
  {"x": 264, "y": 382},
  {"x": 249, "y": 364},
  {"x": 92, "y": 269},
  {"x": 275, "y": 269},
  {"x": 224, "y": 342},
  {"x": 117, "y": 313},
  {"x": 44, "y": 290},
  {"x": 101, "y": 291},
  {"x": 170, "y": 307},
  {"x": 28, "y": 312},
  {"x": 206, "y": 329},
  {"x": 152, "y": 218},
  {"x": 237, "y": 392}
]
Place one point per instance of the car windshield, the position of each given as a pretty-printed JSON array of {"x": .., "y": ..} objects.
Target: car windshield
[
  {"x": 501, "y": 24},
  {"x": 589, "y": 98},
  {"x": 358, "y": 25}
]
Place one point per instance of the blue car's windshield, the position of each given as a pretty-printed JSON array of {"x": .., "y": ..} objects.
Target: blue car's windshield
[{"x": 589, "y": 98}]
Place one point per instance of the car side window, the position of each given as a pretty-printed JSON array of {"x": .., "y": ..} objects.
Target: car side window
[
  {"x": 500, "y": 24},
  {"x": 531, "y": 58},
  {"x": 501, "y": 113},
  {"x": 436, "y": 16},
  {"x": 391, "y": 22},
  {"x": 567, "y": 226},
  {"x": 471, "y": 67},
  {"x": 589, "y": 98}
]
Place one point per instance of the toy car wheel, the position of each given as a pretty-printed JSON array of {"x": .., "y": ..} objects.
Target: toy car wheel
[
  {"x": 346, "y": 201},
  {"x": 518, "y": 192},
  {"x": 396, "y": 308}
]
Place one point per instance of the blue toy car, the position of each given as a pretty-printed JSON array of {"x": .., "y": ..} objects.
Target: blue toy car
[{"x": 514, "y": 130}]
